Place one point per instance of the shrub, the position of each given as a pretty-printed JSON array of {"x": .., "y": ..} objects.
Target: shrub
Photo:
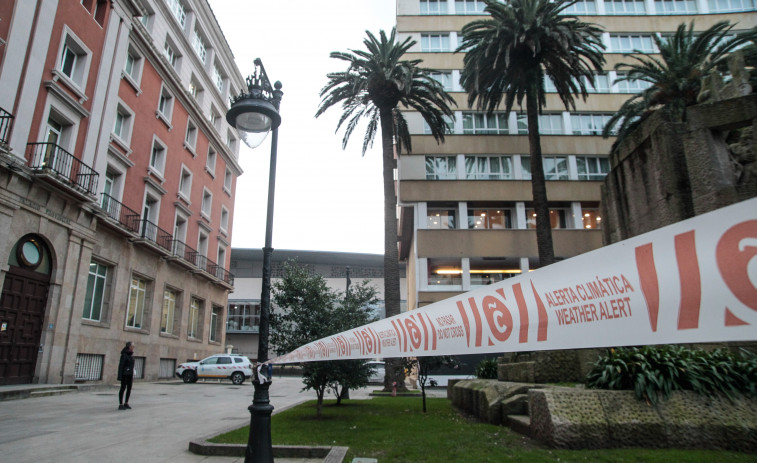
[
  {"x": 654, "y": 371},
  {"x": 487, "y": 369}
]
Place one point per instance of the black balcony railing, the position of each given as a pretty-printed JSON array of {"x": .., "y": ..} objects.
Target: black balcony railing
[
  {"x": 127, "y": 217},
  {"x": 51, "y": 157},
  {"x": 6, "y": 124},
  {"x": 222, "y": 274},
  {"x": 154, "y": 233}
]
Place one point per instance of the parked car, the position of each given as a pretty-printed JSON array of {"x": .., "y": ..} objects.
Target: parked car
[
  {"x": 237, "y": 368},
  {"x": 379, "y": 371}
]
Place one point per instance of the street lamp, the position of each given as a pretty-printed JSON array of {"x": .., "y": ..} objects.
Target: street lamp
[{"x": 254, "y": 113}]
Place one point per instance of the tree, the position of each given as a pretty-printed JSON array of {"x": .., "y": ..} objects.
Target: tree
[
  {"x": 425, "y": 365},
  {"x": 686, "y": 57},
  {"x": 376, "y": 82},
  {"x": 509, "y": 56},
  {"x": 308, "y": 310}
]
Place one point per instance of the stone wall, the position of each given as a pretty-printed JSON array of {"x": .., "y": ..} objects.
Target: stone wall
[
  {"x": 549, "y": 366},
  {"x": 665, "y": 172}
]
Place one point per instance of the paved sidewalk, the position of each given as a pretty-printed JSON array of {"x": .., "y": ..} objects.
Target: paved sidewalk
[{"x": 81, "y": 427}]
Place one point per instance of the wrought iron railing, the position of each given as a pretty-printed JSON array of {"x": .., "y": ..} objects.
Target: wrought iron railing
[
  {"x": 221, "y": 273},
  {"x": 154, "y": 233},
  {"x": 6, "y": 124},
  {"x": 116, "y": 210},
  {"x": 53, "y": 158}
]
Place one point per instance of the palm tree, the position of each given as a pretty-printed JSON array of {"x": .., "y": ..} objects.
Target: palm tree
[
  {"x": 676, "y": 76},
  {"x": 376, "y": 82},
  {"x": 509, "y": 55}
]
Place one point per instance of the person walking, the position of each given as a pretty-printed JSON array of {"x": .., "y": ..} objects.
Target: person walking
[{"x": 125, "y": 375}]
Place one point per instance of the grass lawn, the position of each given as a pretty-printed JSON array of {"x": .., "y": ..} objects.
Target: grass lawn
[{"x": 395, "y": 429}]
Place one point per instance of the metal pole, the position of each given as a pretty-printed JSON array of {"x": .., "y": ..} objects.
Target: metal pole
[{"x": 259, "y": 444}]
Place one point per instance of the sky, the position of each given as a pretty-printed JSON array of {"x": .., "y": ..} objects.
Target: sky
[{"x": 326, "y": 199}]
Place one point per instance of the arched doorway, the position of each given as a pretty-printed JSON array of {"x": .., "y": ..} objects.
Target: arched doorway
[{"x": 22, "y": 309}]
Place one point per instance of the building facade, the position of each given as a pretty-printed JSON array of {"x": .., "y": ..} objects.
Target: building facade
[
  {"x": 117, "y": 179},
  {"x": 243, "y": 323},
  {"x": 466, "y": 214}
]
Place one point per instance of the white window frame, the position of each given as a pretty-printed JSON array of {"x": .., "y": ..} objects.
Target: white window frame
[
  {"x": 72, "y": 46},
  {"x": 436, "y": 171},
  {"x": 428, "y": 44},
  {"x": 487, "y": 174},
  {"x": 228, "y": 178},
  {"x": 549, "y": 163},
  {"x": 588, "y": 123},
  {"x": 483, "y": 123},
  {"x": 157, "y": 161},
  {"x": 190, "y": 137},
  {"x": 195, "y": 89},
  {"x": 224, "y": 225},
  {"x": 194, "y": 326},
  {"x": 675, "y": 7},
  {"x": 211, "y": 161},
  {"x": 469, "y": 7},
  {"x": 171, "y": 53},
  {"x": 199, "y": 45},
  {"x": 179, "y": 11},
  {"x": 206, "y": 208},
  {"x": 185, "y": 183},
  {"x": 134, "y": 77},
  {"x": 137, "y": 305},
  {"x": 732, "y": 6},
  {"x": 624, "y": 43},
  {"x": 105, "y": 279},
  {"x": 433, "y": 7},
  {"x": 582, "y": 7},
  {"x": 123, "y": 136},
  {"x": 219, "y": 78},
  {"x": 625, "y": 7},
  {"x": 171, "y": 298},
  {"x": 595, "y": 163},
  {"x": 166, "y": 113}
]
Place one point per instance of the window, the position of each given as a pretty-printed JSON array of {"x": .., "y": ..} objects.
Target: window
[
  {"x": 469, "y": 6},
  {"x": 445, "y": 272},
  {"x": 214, "y": 118},
  {"x": 218, "y": 78},
  {"x": 190, "y": 139},
  {"x": 588, "y": 124},
  {"x": 435, "y": 43},
  {"x": 231, "y": 142},
  {"x": 441, "y": 168},
  {"x": 150, "y": 213},
  {"x": 207, "y": 203},
  {"x": 492, "y": 270},
  {"x": 555, "y": 167},
  {"x": 590, "y": 219},
  {"x": 482, "y": 123},
  {"x": 96, "y": 300},
  {"x": 433, "y": 7},
  {"x": 167, "y": 318},
  {"x": 178, "y": 10},
  {"x": 157, "y": 157},
  {"x": 215, "y": 316},
  {"x": 444, "y": 78},
  {"x": 74, "y": 61},
  {"x": 725, "y": 6},
  {"x": 195, "y": 89},
  {"x": 582, "y": 7},
  {"x": 448, "y": 122},
  {"x": 675, "y": 6},
  {"x": 133, "y": 67},
  {"x": 488, "y": 167},
  {"x": 171, "y": 54},
  {"x": 628, "y": 43},
  {"x": 489, "y": 218},
  {"x": 631, "y": 86},
  {"x": 592, "y": 168},
  {"x": 210, "y": 162},
  {"x": 227, "y": 178},
  {"x": 135, "y": 313},
  {"x": 180, "y": 232},
  {"x": 224, "y": 220},
  {"x": 165, "y": 105},
  {"x": 220, "y": 262},
  {"x": 601, "y": 84},
  {"x": 202, "y": 249},
  {"x": 440, "y": 217},
  {"x": 194, "y": 327},
  {"x": 625, "y": 7},
  {"x": 185, "y": 183},
  {"x": 549, "y": 124},
  {"x": 123, "y": 124},
  {"x": 243, "y": 316},
  {"x": 556, "y": 218},
  {"x": 198, "y": 43}
]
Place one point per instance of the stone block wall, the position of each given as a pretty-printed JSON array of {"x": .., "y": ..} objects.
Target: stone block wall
[{"x": 547, "y": 366}]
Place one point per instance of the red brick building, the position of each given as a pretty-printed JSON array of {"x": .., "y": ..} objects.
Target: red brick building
[{"x": 117, "y": 180}]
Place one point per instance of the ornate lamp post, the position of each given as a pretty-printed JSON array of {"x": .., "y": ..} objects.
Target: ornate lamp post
[{"x": 254, "y": 113}]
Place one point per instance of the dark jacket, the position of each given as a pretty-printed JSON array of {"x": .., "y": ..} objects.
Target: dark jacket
[{"x": 126, "y": 364}]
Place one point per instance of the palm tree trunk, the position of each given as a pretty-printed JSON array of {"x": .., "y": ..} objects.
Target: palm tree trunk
[
  {"x": 394, "y": 371},
  {"x": 538, "y": 183}
]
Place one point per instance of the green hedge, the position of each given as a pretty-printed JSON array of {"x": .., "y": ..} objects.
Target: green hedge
[
  {"x": 657, "y": 371},
  {"x": 487, "y": 369}
]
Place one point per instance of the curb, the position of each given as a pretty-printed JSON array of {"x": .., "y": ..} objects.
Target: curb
[{"x": 329, "y": 454}]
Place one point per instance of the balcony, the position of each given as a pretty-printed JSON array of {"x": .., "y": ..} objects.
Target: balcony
[
  {"x": 119, "y": 214},
  {"x": 194, "y": 260},
  {"x": 6, "y": 124},
  {"x": 157, "y": 238},
  {"x": 57, "y": 166}
]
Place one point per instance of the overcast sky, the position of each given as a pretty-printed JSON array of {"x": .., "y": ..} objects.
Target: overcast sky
[{"x": 327, "y": 199}]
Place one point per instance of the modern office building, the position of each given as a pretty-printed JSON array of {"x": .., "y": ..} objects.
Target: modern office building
[
  {"x": 243, "y": 323},
  {"x": 117, "y": 179},
  {"x": 466, "y": 216}
]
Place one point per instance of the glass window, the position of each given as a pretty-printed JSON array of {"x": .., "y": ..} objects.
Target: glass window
[
  {"x": 556, "y": 218},
  {"x": 592, "y": 168},
  {"x": 444, "y": 78},
  {"x": 448, "y": 122},
  {"x": 177, "y": 8},
  {"x": 590, "y": 219},
  {"x": 68, "y": 62},
  {"x": 484, "y": 218},
  {"x": 440, "y": 218},
  {"x": 227, "y": 181},
  {"x": 675, "y": 6},
  {"x": 628, "y": 43},
  {"x": 194, "y": 326},
  {"x": 441, "y": 168},
  {"x": 625, "y": 7},
  {"x": 170, "y": 54},
  {"x": 243, "y": 316},
  {"x": 550, "y": 124},
  {"x": 601, "y": 84},
  {"x": 165, "y": 104},
  {"x": 435, "y": 43},
  {"x": 631, "y": 86},
  {"x": 445, "y": 272},
  {"x": 582, "y": 7},
  {"x": 555, "y": 167},
  {"x": 487, "y": 271},
  {"x": 98, "y": 289},
  {"x": 433, "y": 7},
  {"x": 215, "y": 335},
  {"x": 198, "y": 43},
  {"x": 483, "y": 123},
  {"x": 488, "y": 167},
  {"x": 224, "y": 220},
  {"x": 217, "y": 78},
  {"x": 588, "y": 124},
  {"x": 169, "y": 309},
  {"x": 207, "y": 202},
  {"x": 136, "y": 309},
  {"x": 157, "y": 157},
  {"x": 725, "y": 6},
  {"x": 191, "y": 135},
  {"x": 185, "y": 183},
  {"x": 469, "y": 6}
]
